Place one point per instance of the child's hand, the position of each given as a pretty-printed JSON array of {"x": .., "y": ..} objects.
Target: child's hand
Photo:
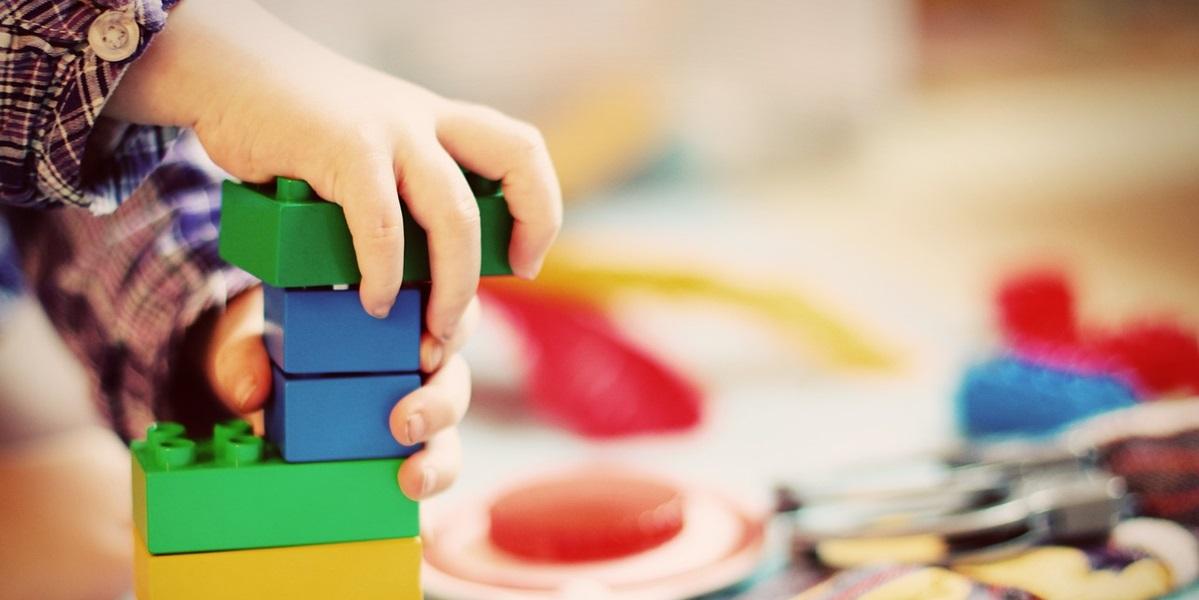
[
  {"x": 238, "y": 369},
  {"x": 266, "y": 101}
]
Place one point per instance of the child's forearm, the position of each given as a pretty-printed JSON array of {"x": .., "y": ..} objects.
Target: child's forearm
[{"x": 208, "y": 49}]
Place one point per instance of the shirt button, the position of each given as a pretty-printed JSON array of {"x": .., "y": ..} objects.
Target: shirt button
[{"x": 114, "y": 35}]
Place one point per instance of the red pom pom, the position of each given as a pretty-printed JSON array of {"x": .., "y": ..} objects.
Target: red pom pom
[
  {"x": 1162, "y": 355},
  {"x": 1037, "y": 307},
  {"x": 596, "y": 515}
]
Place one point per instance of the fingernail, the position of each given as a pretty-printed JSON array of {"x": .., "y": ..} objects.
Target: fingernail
[
  {"x": 429, "y": 481},
  {"x": 381, "y": 311},
  {"x": 416, "y": 429},
  {"x": 528, "y": 271},
  {"x": 431, "y": 353},
  {"x": 448, "y": 332},
  {"x": 244, "y": 390}
]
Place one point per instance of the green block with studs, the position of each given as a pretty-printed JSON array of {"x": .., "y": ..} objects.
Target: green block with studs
[
  {"x": 285, "y": 235},
  {"x": 234, "y": 492}
]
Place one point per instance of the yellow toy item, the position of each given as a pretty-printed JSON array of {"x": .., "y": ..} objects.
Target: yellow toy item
[
  {"x": 1060, "y": 573},
  {"x": 830, "y": 339},
  {"x": 908, "y": 549},
  {"x": 361, "y": 570},
  {"x": 931, "y": 583}
]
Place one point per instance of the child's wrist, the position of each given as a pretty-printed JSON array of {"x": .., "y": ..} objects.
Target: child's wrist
[{"x": 209, "y": 55}]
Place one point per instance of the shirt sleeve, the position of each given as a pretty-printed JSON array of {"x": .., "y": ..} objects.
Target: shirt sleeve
[
  {"x": 124, "y": 290},
  {"x": 12, "y": 282},
  {"x": 60, "y": 60}
]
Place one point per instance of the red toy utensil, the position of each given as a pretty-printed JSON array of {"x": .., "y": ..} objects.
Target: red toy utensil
[{"x": 584, "y": 374}]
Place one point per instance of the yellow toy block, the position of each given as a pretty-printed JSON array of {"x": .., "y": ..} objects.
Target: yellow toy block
[{"x": 361, "y": 570}]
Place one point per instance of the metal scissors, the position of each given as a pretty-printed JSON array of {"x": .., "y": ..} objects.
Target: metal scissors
[{"x": 979, "y": 503}]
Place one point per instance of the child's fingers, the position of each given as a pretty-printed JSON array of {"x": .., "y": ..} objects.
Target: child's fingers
[
  {"x": 498, "y": 147},
  {"x": 366, "y": 190},
  {"x": 433, "y": 469},
  {"x": 433, "y": 351},
  {"x": 441, "y": 202},
  {"x": 434, "y": 407},
  {"x": 237, "y": 364}
]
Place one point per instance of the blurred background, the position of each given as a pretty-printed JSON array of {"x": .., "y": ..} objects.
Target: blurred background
[
  {"x": 885, "y": 161},
  {"x": 874, "y": 167}
]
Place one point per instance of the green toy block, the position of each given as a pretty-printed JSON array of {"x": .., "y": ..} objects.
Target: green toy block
[
  {"x": 288, "y": 237},
  {"x": 234, "y": 492},
  {"x": 481, "y": 186}
]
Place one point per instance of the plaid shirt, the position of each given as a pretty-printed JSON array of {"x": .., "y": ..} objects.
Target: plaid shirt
[{"x": 122, "y": 286}]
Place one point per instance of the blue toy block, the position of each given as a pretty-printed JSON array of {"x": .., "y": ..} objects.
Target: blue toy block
[
  {"x": 1007, "y": 396},
  {"x": 337, "y": 417},
  {"x": 318, "y": 331}
]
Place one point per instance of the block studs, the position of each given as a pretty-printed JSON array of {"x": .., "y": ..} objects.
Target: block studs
[
  {"x": 164, "y": 430},
  {"x": 293, "y": 190},
  {"x": 175, "y": 453},
  {"x": 242, "y": 450},
  {"x": 223, "y": 432},
  {"x": 234, "y": 444}
]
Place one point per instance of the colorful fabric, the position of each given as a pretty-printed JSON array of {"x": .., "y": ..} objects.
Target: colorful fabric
[
  {"x": 1162, "y": 471},
  {"x": 122, "y": 286},
  {"x": 1155, "y": 448},
  {"x": 125, "y": 288},
  {"x": 52, "y": 89},
  {"x": 12, "y": 282}
]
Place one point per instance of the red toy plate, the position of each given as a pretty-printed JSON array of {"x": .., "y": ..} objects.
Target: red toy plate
[
  {"x": 593, "y": 515},
  {"x": 719, "y": 544}
]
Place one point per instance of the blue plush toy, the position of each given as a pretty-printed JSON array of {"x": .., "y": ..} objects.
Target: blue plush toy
[{"x": 1008, "y": 396}]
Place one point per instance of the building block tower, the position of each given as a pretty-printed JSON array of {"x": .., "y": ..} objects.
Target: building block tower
[{"x": 312, "y": 510}]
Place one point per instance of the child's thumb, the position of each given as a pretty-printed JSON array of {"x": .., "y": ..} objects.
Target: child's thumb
[
  {"x": 237, "y": 366},
  {"x": 243, "y": 374}
]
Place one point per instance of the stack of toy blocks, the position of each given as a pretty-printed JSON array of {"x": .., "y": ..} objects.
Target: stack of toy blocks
[{"x": 313, "y": 510}]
